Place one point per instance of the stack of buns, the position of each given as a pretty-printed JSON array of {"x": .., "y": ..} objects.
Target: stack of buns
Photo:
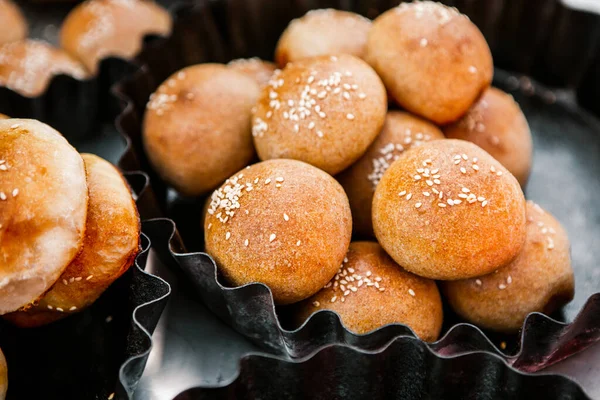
[
  {"x": 432, "y": 191},
  {"x": 93, "y": 30},
  {"x": 69, "y": 226}
]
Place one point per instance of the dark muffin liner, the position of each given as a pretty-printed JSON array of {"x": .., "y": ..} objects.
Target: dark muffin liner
[
  {"x": 99, "y": 351},
  {"x": 218, "y": 31}
]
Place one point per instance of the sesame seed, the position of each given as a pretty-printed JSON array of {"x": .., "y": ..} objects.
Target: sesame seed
[
  {"x": 2, "y": 196},
  {"x": 441, "y": 205},
  {"x": 112, "y": 395},
  {"x": 475, "y": 167},
  {"x": 298, "y": 243},
  {"x": 411, "y": 292},
  {"x": 457, "y": 157},
  {"x": 462, "y": 195},
  {"x": 73, "y": 308},
  {"x": 423, "y": 42},
  {"x": 463, "y": 170},
  {"x": 450, "y": 202},
  {"x": 350, "y": 116},
  {"x": 502, "y": 286},
  {"x": 417, "y": 205},
  {"x": 493, "y": 169},
  {"x": 333, "y": 299},
  {"x": 15, "y": 192},
  {"x": 59, "y": 309},
  {"x": 346, "y": 95},
  {"x": 209, "y": 225},
  {"x": 2, "y": 161},
  {"x": 426, "y": 194},
  {"x": 368, "y": 273},
  {"x": 480, "y": 198},
  {"x": 65, "y": 282},
  {"x": 246, "y": 242},
  {"x": 509, "y": 280},
  {"x": 456, "y": 162},
  {"x": 227, "y": 235},
  {"x": 286, "y": 217},
  {"x": 3, "y": 167},
  {"x": 78, "y": 279},
  {"x": 319, "y": 134},
  {"x": 316, "y": 303},
  {"x": 15, "y": 126},
  {"x": 475, "y": 159},
  {"x": 50, "y": 307},
  {"x": 465, "y": 190},
  {"x": 417, "y": 177},
  {"x": 485, "y": 202},
  {"x": 437, "y": 181},
  {"x": 89, "y": 277},
  {"x": 441, "y": 194},
  {"x": 108, "y": 319},
  {"x": 272, "y": 237},
  {"x": 499, "y": 173},
  {"x": 464, "y": 156},
  {"x": 311, "y": 125},
  {"x": 457, "y": 201},
  {"x": 478, "y": 282},
  {"x": 429, "y": 183},
  {"x": 472, "y": 69},
  {"x": 408, "y": 196},
  {"x": 279, "y": 179},
  {"x": 362, "y": 96}
]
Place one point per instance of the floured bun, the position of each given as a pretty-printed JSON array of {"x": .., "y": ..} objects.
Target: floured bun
[{"x": 43, "y": 209}]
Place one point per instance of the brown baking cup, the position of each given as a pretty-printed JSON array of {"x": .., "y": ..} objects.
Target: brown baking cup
[
  {"x": 99, "y": 351},
  {"x": 567, "y": 148}
]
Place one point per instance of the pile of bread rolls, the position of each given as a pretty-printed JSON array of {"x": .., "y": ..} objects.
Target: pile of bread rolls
[
  {"x": 432, "y": 187},
  {"x": 93, "y": 30}
]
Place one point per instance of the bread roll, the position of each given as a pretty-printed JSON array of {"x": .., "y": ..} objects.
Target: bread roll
[
  {"x": 321, "y": 33},
  {"x": 433, "y": 60},
  {"x": 400, "y": 132},
  {"x": 540, "y": 279},
  {"x": 280, "y": 222},
  {"x": 370, "y": 290},
  {"x": 325, "y": 111},
  {"x": 27, "y": 66},
  {"x": 448, "y": 210},
  {"x": 13, "y": 25},
  {"x": 43, "y": 208},
  {"x": 255, "y": 68},
  {"x": 3, "y": 376},
  {"x": 197, "y": 127},
  {"x": 109, "y": 249},
  {"x": 496, "y": 124},
  {"x": 97, "y": 29}
]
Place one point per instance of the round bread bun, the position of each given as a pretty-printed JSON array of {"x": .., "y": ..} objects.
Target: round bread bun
[
  {"x": 27, "y": 66},
  {"x": 110, "y": 246},
  {"x": 540, "y": 279},
  {"x": 43, "y": 207},
  {"x": 400, "y": 132},
  {"x": 197, "y": 127},
  {"x": 3, "y": 376},
  {"x": 370, "y": 290},
  {"x": 2, "y": 116},
  {"x": 280, "y": 222},
  {"x": 496, "y": 124},
  {"x": 321, "y": 33},
  {"x": 97, "y": 29},
  {"x": 448, "y": 210},
  {"x": 325, "y": 111},
  {"x": 257, "y": 69},
  {"x": 433, "y": 60},
  {"x": 13, "y": 25}
]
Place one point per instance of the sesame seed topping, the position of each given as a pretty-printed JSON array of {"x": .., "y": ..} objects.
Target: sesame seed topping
[
  {"x": 272, "y": 237},
  {"x": 417, "y": 177},
  {"x": 2, "y": 196},
  {"x": 350, "y": 116},
  {"x": 502, "y": 286},
  {"x": 472, "y": 69},
  {"x": 286, "y": 217},
  {"x": 509, "y": 280},
  {"x": 465, "y": 190},
  {"x": 50, "y": 307},
  {"x": 423, "y": 42},
  {"x": 15, "y": 192},
  {"x": 484, "y": 203},
  {"x": 73, "y": 308},
  {"x": 316, "y": 303},
  {"x": 267, "y": 181},
  {"x": 464, "y": 157},
  {"x": 402, "y": 193},
  {"x": 478, "y": 282},
  {"x": 426, "y": 194},
  {"x": 111, "y": 396},
  {"x": 89, "y": 277},
  {"x": 15, "y": 126},
  {"x": 279, "y": 179},
  {"x": 437, "y": 181},
  {"x": 333, "y": 299},
  {"x": 78, "y": 279},
  {"x": 450, "y": 202},
  {"x": 418, "y": 205},
  {"x": 246, "y": 242},
  {"x": 463, "y": 170},
  {"x": 411, "y": 292},
  {"x": 227, "y": 235},
  {"x": 499, "y": 173},
  {"x": 441, "y": 205},
  {"x": 3, "y": 167},
  {"x": 429, "y": 183},
  {"x": 298, "y": 243},
  {"x": 475, "y": 167},
  {"x": 408, "y": 196},
  {"x": 59, "y": 309}
]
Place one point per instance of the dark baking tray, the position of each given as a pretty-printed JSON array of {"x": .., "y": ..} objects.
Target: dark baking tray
[{"x": 564, "y": 162}]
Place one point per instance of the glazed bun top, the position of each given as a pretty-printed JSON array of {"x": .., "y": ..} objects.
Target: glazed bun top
[
  {"x": 257, "y": 69},
  {"x": 43, "y": 208},
  {"x": 13, "y": 25},
  {"x": 433, "y": 60},
  {"x": 448, "y": 210},
  {"x": 323, "y": 32},
  {"x": 97, "y": 29},
  {"x": 27, "y": 66}
]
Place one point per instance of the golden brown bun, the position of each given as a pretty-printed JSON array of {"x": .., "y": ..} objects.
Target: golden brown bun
[
  {"x": 400, "y": 132},
  {"x": 324, "y": 111},
  {"x": 539, "y": 279},
  {"x": 42, "y": 219},
  {"x": 3, "y": 376},
  {"x": 13, "y": 25},
  {"x": 448, "y": 210},
  {"x": 98, "y": 29},
  {"x": 280, "y": 222},
  {"x": 109, "y": 248},
  {"x": 27, "y": 66},
  {"x": 2, "y": 116},
  {"x": 370, "y": 290},
  {"x": 433, "y": 60},
  {"x": 322, "y": 33},
  {"x": 496, "y": 124},
  {"x": 197, "y": 127},
  {"x": 257, "y": 69}
]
